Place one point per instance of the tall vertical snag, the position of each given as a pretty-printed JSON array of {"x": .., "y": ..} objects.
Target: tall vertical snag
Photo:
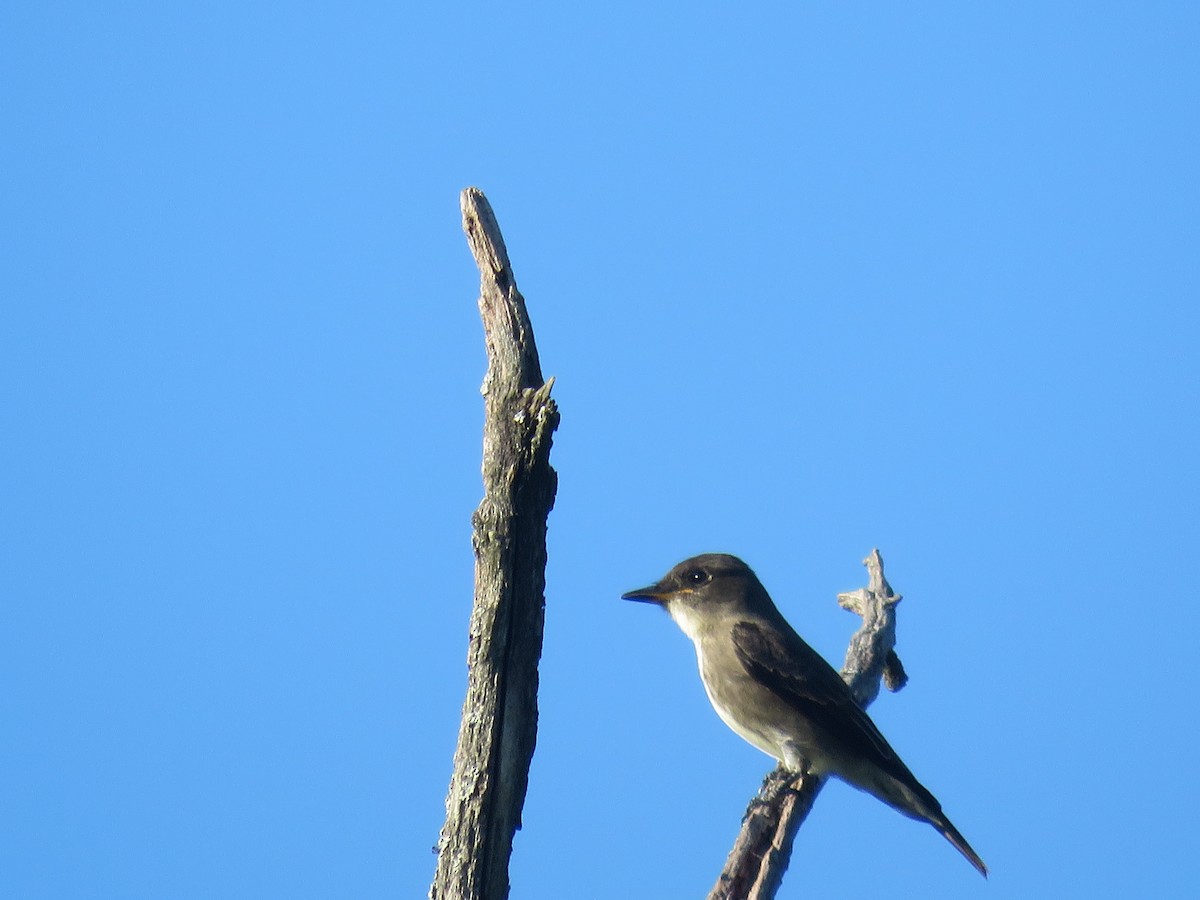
[{"x": 499, "y": 723}]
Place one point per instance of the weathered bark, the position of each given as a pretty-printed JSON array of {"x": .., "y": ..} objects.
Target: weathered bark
[
  {"x": 499, "y": 723},
  {"x": 760, "y": 854}
]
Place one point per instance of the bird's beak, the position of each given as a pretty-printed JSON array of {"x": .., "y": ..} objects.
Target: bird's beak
[{"x": 655, "y": 593}]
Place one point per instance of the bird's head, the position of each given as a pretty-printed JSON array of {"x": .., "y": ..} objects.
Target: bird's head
[{"x": 704, "y": 589}]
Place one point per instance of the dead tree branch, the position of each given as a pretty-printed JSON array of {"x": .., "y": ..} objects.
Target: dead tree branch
[{"x": 499, "y": 723}]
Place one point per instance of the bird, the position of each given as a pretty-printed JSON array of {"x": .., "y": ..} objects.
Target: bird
[{"x": 779, "y": 694}]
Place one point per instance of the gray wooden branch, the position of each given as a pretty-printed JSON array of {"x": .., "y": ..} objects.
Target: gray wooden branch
[
  {"x": 760, "y": 854},
  {"x": 499, "y": 722}
]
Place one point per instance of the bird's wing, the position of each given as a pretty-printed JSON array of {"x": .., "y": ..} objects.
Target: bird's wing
[{"x": 801, "y": 677}]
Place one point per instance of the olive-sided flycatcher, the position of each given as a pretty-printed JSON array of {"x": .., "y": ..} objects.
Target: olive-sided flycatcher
[{"x": 775, "y": 691}]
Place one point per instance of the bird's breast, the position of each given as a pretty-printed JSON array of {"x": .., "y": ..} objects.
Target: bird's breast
[{"x": 749, "y": 708}]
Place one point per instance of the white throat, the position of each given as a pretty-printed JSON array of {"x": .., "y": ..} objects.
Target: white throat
[{"x": 687, "y": 620}]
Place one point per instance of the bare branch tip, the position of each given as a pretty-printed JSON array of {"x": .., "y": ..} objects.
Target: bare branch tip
[
  {"x": 539, "y": 396},
  {"x": 894, "y": 676},
  {"x": 471, "y": 197},
  {"x": 483, "y": 233},
  {"x": 853, "y": 601}
]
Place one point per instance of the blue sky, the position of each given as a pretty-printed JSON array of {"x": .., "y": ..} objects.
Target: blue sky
[{"x": 812, "y": 279}]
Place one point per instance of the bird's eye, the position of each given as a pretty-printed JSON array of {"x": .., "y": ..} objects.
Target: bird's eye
[{"x": 697, "y": 576}]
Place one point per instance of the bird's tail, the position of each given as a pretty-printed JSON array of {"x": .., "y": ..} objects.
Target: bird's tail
[
  {"x": 952, "y": 834},
  {"x": 902, "y": 791}
]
